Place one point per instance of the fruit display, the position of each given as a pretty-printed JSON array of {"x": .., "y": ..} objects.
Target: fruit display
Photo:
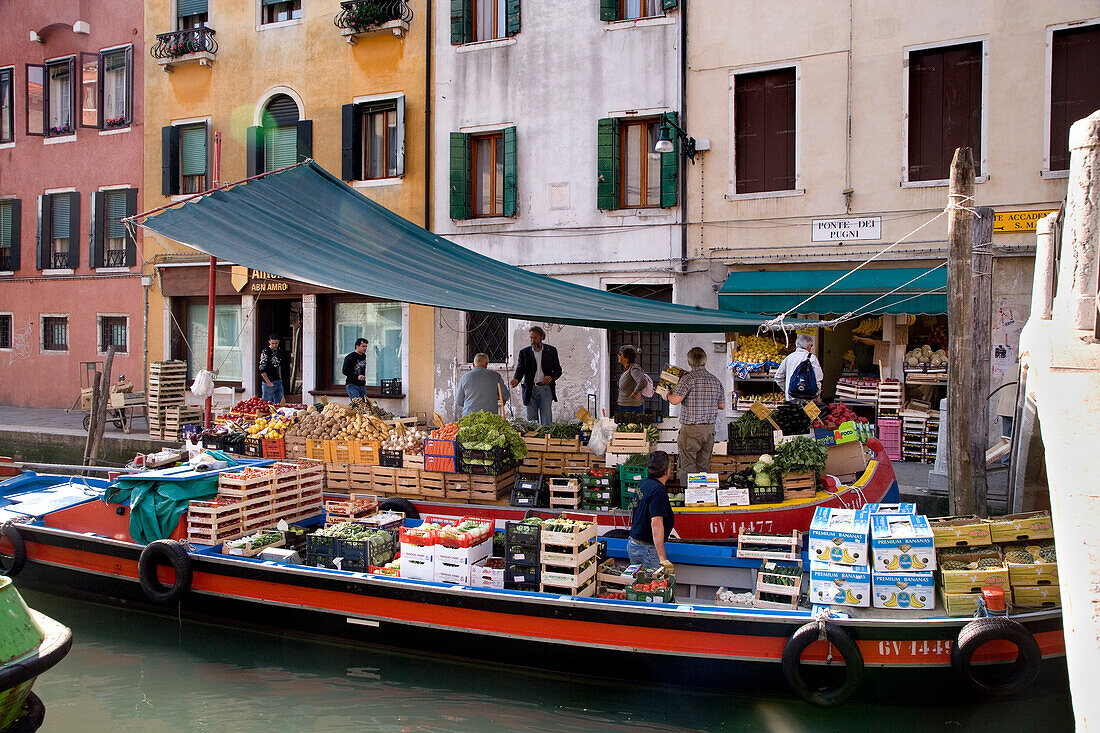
[
  {"x": 925, "y": 356},
  {"x": 868, "y": 326},
  {"x": 272, "y": 428},
  {"x": 757, "y": 350},
  {"x": 339, "y": 422},
  {"x": 253, "y": 406},
  {"x": 1031, "y": 554}
]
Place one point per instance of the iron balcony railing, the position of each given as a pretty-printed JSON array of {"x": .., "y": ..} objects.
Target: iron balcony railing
[
  {"x": 114, "y": 258},
  {"x": 5, "y": 263},
  {"x": 180, "y": 43},
  {"x": 60, "y": 260},
  {"x": 361, "y": 15}
]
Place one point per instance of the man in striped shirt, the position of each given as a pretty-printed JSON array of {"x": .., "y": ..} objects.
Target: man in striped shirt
[{"x": 699, "y": 393}]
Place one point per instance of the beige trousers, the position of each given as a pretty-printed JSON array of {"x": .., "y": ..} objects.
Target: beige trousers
[{"x": 696, "y": 442}]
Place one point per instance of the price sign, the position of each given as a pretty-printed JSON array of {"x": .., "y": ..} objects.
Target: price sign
[
  {"x": 812, "y": 410},
  {"x": 761, "y": 411}
]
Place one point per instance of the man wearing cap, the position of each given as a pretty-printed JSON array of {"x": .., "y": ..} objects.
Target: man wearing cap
[{"x": 271, "y": 369}]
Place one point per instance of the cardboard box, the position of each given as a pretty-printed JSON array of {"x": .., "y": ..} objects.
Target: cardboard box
[
  {"x": 417, "y": 568},
  {"x": 902, "y": 543},
  {"x": 960, "y": 532},
  {"x": 903, "y": 591},
  {"x": 960, "y": 604},
  {"x": 281, "y": 554},
  {"x": 840, "y": 536},
  {"x": 972, "y": 578},
  {"x": 484, "y": 576},
  {"x": 1019, "y": 527},
  {"x": 908, "y": 508},
  {"x": 846, "y": 461},
  {"x": 464, "y": 556},
  {"x": 839, "y": 585},
  {"x": 1036, "y": 596}
]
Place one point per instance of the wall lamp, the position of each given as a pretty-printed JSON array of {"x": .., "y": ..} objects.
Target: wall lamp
[{"x": 664, "y": 143}]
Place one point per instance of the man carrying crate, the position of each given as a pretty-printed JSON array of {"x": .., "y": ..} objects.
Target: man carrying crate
[{"x": 700, "y": 394}]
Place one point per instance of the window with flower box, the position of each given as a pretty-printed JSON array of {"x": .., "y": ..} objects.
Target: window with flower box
[
  {"x": 51, "y": 98},
  {"x": 106, "y": 89}
]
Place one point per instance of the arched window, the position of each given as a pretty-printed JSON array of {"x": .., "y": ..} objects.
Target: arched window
[{"x": 280, "y": 125}]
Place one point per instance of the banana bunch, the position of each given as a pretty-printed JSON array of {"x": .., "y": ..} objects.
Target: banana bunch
[
  {"x": 868, "y": 326},
  {"x": 757, "y": 349}
]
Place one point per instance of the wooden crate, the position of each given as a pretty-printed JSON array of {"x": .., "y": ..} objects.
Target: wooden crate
[
  {"x": 559, "y": 577},
  {"x": 295, "y": 447},
  {"x": 412, "y": 461},
  {"x": 336, "y": 476},
  {"x": 176, "y": 417},
  {"x": 384, "y": 479},
  {"x": 212, "y": 522},
  {"x": 587, "y": 590},
  {"x": 533, "y": 462},
  {"x": 492, "y": 488},
  {"x": 799, "y": 486},
  {"x": 567, "y": 557},
  {"x": 563, "y": 445},
  {"x": 407, "y": 481},
  {"x": 246, "y": 487},
  {"x": 434, "y": 485},
  {"x": 535, "y": 443},
  {"x": 790, "y": 604},
  {"x": 575, "y": 538},
  {"x": 565, "y": 493},
  {"x": 628, "y": 443},
  {"x": 763, "y": 546},
  {"x": 360, "y": 478},
  {"x": 457, "y": 486}
]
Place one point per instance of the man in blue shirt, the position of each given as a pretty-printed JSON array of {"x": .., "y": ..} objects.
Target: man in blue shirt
[{"x": 653, "y": 519}]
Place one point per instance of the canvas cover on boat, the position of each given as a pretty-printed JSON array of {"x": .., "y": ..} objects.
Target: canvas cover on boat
[
  {"x": 305, "y": 224},
  {"x": 156, "y": 506}
]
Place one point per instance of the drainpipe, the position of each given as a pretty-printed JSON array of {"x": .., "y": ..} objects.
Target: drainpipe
[
  {"x": 683, "y": 125},
  {"x": 428, "y": 120}
]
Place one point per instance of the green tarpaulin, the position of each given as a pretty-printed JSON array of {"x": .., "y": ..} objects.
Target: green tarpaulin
[
  {"x": 156, "y": 506},
  {"x": 774, "y": 292},
  {"x": 305, "y": 224}
]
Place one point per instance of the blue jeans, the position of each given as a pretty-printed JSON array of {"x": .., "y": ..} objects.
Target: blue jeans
[
  {"x": 642, "y": 554},
  {"x": 356, "y": 390},
  {"x": 539, "y": 406},
  {"x": 274, "y": 393}
]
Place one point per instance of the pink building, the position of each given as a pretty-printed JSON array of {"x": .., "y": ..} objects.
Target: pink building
[{"x": 70, "y": 170}]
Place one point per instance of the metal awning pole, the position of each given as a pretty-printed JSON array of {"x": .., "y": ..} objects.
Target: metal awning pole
[{"x": 211, "y": 291}]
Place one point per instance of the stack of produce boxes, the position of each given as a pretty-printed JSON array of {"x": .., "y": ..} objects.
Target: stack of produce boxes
[
  {"x": 600, "y": 489},
  {"x": 522, "y": 543},
  {"x": 967, "y": 561},
  {"x": 904, "y": 559},
  {"x": 350, "y": 546},
  {"x": 567, "y": 555},
  {"x": 460, "y": 547},
  {"x": 840, "y": 572},
  {"x": 418, "y": 545},
  {"x": 629, "y": 478},
  {"x": 167, "y": 384}
]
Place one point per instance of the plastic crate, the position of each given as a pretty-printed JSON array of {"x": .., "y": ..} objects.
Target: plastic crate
[
  {"x": 496, "y": 468},
  {"x": 213, "y": 442},
  {"x": 750, "y": 446},
  {"x": 437, "y": 447},
  {"x": 440, "y": 464},
  {"x": 521, "y": 574},
  {"x": 499, "y": 453},
  {"x": 273, "y": 448},
  {"x": 889, "y": 434},
  {"x": 632, "y": 474},
  {"x": 517, "y": 533},
  {"x": 524, "y": 497},
  {"x": 377, "y": 549},
  {"x": 772, "y": 494},
  {"x": 391, "y": 387},
  {"x": 253, "y": 447},
  {"x": 391, "y": 458}
]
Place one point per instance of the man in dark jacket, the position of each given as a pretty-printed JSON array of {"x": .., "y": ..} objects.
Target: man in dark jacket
[
  {"x": 539, "y": 369},
  {"x": 271, "y": 369},
  {"x": 355, "y": 370}
]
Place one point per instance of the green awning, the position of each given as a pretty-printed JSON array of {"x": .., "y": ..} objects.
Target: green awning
[
  {"x": 774, "y": 292},
  {"x": 305, "y": 224}
]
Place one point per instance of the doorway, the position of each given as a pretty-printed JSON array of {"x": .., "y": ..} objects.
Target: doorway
[
  {"x": 654, "y": 348},
  {"x": 284, "y": 317}
]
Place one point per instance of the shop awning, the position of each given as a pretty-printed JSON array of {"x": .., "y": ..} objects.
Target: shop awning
[
  {"x": 774, "y": 292},
  {"x": 304, "y": 223}
]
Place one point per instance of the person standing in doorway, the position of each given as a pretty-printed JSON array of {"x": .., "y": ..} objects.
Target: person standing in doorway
[
  {"x": 480, "y": 390},
  {"x": 700, "y": 395},
  {"x": 355, "y": 370},
  {"x": 539, "y": 370},
  {"x": 271, "y": 369},
  {"x": 631, "y": 381}
]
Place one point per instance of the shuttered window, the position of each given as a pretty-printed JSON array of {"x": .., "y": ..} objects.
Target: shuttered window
[
  {"x": 373, "y": 139},
  {"x": 190, "y": 14},
  {"x": 111, "y": 245},
  {"x": 278, "y": 136},
  {"x": 484, "y": 176},
  {"x": 1074, "y": 86},
  {"x": 945, "y": 109},
  {"x": 277, "y": 11},
  {"x": 114, "y": 254},
  {"x": 483, "y": 20},
  {"x": 59, "y": 215},
  {"x": 764, "y": 131},
  {"x": 9, "y": 235},
  {"x": 193, "y": 157},
  {"x": 634, "y": 9},
  {"x": 280, "y": 147},
  {"x": 629, "y": 173},
  {"x": 5, "y": 229}
]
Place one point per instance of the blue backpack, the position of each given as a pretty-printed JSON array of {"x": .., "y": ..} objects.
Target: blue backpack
[{"x": 803, "y": 383}]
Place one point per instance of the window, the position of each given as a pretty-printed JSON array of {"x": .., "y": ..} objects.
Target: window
[
  {"x": 282, "y": 139},
  {"x": 113, "y": 332},
  {"x": 193, "y": 158},
  {"x": 628, "y": 172},
  {"x": 483, "y": 174},
  {"x": 379, "y": 143},
  {"x": 106, "y": 82},
  {"x": 277, "y": 11},
  {"x": 55, "y": 333},
  {"x": 5, "y": 330},
  {"x": 36, "y": 99},
  {"x": 1074, "y": 86},
  {"x": 945, "y": 109},
  {"x": 9, "y": 235},
  {"x": 227, "y": 340},
  {"x": 487, "y": 334},
  {"x": 634, "y": 9},
  {"x": 59, "y": 231},
  {"x": 483, "y": 20},
  {"x": 59, "y": 98},
  {"x": 641, "y": 167},
  {"x": 764, "y": 131},
  {"x": 379, "y": 323},
  {"x": 373, "y": 139},
  {"x": 7, "y": 105},
  {"x": 89, "y": 90},
  {"x": 191, "y": 14},
  {"x": 111, "y": 246}
]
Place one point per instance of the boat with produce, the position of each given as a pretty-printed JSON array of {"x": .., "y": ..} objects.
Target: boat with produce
[
  {"x": 729, "y": 617},
  {"x": 30, "y": 644}
]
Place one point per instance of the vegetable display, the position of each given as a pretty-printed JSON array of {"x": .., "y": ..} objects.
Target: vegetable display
[
  {"x": 792, "y": 419},
  {"x": 749, "y": 426},
  {"x": 834, "y": 415},
  {"x": 651, "y": 432},
  {"x": 559, "y": 430},
  {"x": 801, "y": 455},
  {"x": 484, "y": 431}
]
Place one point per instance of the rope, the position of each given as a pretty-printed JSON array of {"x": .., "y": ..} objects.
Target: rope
[{"x": 955, "y": 202}]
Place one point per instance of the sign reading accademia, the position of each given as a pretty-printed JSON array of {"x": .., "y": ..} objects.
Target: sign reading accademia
[
  {"x": 1018, "y": 221},
  {"x": 847, "y": 230}
]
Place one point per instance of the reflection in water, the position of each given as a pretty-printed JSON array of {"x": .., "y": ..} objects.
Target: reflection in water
[{"x": 130, "y": 671}]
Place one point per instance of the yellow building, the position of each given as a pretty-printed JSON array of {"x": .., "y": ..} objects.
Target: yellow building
[{"x": 235, "y": 88}]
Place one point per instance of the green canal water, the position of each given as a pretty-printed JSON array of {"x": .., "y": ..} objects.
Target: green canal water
[{"x": 131, "y": 671}]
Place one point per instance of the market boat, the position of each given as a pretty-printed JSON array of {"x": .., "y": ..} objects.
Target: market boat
[
  {"x": 30, "y": 644},
  {"x": 67, "y": 540}
]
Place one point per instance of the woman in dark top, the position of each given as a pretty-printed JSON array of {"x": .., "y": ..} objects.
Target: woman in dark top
[{"x": 653, "y": 519}]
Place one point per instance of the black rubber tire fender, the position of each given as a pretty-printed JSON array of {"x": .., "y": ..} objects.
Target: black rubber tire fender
[
  {"x": 169, "y": 552},
  {"x": 397, "y": 504},
  {"x": 617, "y": 534},
  {"x": 1029, "y": 657},
  {"x": 853, "y": 663},
  {"x": 34, "y": 712},
  {"x": 18, "y": 551}
]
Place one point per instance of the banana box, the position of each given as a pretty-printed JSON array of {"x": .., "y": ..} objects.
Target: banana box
[
  {"x": 903, "y": 591},
  {"x": 902, "y": 543},
  {"x": 840, "y": 536},
  {"x": 905, "y": 508},
  {"x": 840, "y": 585}
]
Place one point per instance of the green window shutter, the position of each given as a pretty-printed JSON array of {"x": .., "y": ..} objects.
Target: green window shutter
[
  {"x": 511, "y": 24},
  {"x": 271, "y": 2},
  {"x": 97, "y": 239},
  {"x": 131, "y": 209},
  {"x": 5, "y": 224},
  {"x": 462, "y": 22},
  {"x": 254, "y": 150},
  {"x": 14, "y": 241},
  {"x": 280, "y": 147},
  {"x": 609, "y": 9},
  {"x": 304, "y": 141},
  {"x": 510, "y": 177},
  {"x": 42, "y": 233},
  {"x": 74, "y": 229},
  {"x": 668, "y": 4},
  {"x": 59, "y": 214},
  {"x": 116, "y": 212},
  {"x": 193, "y": 150},
  {"x": 460, "y": 176},
  {"x": 670, "y": 167},
  {"x": 170, "y": 160},
  {"x": 607, "y": 164},
  {"x": 185, "y": 8}
]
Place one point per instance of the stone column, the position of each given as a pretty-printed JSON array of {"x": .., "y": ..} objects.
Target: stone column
[
  {"x": 1042, "y": 292},
  {"x": 309, "y": 347},
  {"x": 1075, "y": 304}
]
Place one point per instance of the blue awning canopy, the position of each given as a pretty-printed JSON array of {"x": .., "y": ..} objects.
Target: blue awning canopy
[
  {"x": 774, "y": 292},
  {"x": 305, "y": 224}
]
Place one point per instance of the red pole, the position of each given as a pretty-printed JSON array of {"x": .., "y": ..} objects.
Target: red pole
[{"x": 212, "y": 287}]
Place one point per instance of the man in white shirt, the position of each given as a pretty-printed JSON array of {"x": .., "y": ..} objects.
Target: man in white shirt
[{"x": 786, "y": 370}]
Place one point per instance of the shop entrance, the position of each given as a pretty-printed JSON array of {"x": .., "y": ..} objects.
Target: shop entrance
[
  {"x": 654, "y": 347},
  {"x": 284, "y": 317}
]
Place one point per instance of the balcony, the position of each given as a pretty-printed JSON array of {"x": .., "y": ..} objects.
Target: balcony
[
  {"x": 60, "y": 261},
  {"x": 114, "y": 258},
  {"x": 369, "y": 17},
  {"x": 5, "y": 263},
  {"x": 194, "y": 46}
]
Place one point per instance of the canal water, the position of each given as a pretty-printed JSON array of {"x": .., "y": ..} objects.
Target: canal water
[{"x": 132, "y": 671}]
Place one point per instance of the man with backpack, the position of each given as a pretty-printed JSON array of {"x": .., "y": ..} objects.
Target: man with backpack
[{"x": 799, "y": 376}]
